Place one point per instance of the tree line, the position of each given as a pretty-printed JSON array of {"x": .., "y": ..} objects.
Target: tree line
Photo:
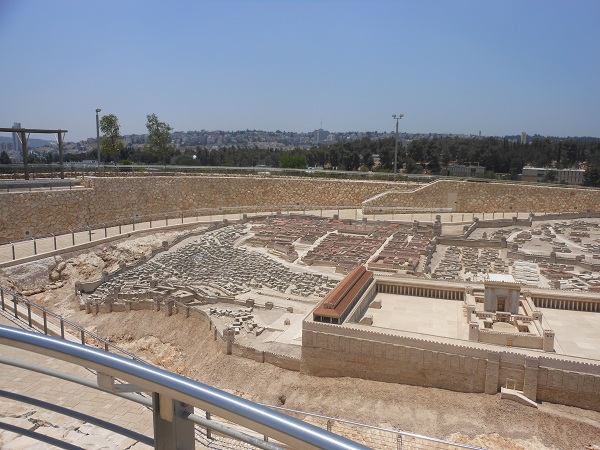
[{"x": 505, "y": 156}]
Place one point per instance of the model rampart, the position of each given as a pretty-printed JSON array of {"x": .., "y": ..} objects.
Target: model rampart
[{"x": 331, "y": 350}]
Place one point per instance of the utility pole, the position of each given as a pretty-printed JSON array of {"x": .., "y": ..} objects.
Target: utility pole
[
  {"x": 98, "y": 135},
  {"x": 397, "y": 118}
]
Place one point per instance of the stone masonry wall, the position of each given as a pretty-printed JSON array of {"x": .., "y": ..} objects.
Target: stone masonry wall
[
  {"x": 469, "y": 197},
  {"x": 104, "y": 200},
  {"x": 333, "y": 355},
  {"x": 334, "y": 351}
]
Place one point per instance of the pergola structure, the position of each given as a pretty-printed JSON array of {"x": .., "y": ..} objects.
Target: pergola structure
[{"x": 24, "y": 133}]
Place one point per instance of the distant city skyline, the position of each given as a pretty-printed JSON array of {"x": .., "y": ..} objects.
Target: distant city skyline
[{"x": 499, "y": 67}]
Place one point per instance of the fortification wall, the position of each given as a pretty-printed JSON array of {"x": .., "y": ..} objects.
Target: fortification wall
[
  {"x": 468, "y": 197},
  {"x": 104, "y": 200},
  {"x": 334, "y": 355},
  {"x": 334, "y": 351}
]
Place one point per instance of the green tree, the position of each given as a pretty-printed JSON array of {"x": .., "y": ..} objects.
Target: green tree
[
  {"x": 591, "y": 176},
  {"x": 550, "y": 177},
  {"x": 158, "y": 139},
  {"x": 290, "y": 161},
  {"x": 4, "y": 158},
  {"x": 111, "y": 144}
]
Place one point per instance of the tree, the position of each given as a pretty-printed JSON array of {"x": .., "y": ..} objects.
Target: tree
[
  {"x": 291, "y": 161},
  {"x": 111, "y": 144},
  {"x": 158, "y": 138},
  {"x": 4, "y": 158},
  {"x": 591, "y": 176},
  {"x": 550, "y": 177}
]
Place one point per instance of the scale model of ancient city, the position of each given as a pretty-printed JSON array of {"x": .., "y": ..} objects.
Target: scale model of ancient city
[
  {"x": 503, "y": 302},
  {"x": 471, "y": 287}
]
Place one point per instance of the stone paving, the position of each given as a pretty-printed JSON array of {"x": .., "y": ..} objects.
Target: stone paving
[{"x": 69, "y": 395}]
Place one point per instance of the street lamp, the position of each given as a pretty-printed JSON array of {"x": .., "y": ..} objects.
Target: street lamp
[
  {"x": 397, "y": 118},
  {"x": 98, "y": 135}
]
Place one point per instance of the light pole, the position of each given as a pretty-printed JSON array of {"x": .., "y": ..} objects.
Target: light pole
[
  {"x": 397, "y": 118},
  {"x": 98, "y": 135}
]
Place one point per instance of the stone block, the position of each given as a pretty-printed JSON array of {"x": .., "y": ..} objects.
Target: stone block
[{"x": 555, "y": 379}]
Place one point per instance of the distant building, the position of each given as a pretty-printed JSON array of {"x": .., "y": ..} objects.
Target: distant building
[
  {"x": 523, "y": 138},
  {"x": 565, "y": 176},
  {"x": 461, "y": 170},
  {"x": 16, "y": 141},
  {"x": 320, "y": 136}
]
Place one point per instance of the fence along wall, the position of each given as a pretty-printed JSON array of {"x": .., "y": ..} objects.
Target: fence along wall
[{"x": 104, "y": 200}]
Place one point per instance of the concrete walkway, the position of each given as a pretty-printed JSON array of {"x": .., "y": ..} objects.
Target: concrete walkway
[{"x": 69, "y": 395}]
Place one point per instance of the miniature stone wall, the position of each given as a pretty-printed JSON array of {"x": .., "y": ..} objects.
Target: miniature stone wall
[
  {"x": 331, "y": 350},
  {"x": 326, "y": 354}
]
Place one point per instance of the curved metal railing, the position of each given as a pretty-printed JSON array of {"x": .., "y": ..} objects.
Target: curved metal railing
[
  {"x": 174, "y": 397},
  {"x": 52, "y": 324}
]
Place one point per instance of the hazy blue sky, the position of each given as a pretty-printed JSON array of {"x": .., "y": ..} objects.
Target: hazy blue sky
[{"x": 461, "y": 66}]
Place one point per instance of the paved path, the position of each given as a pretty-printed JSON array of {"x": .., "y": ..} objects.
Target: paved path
[{"x": 69, "y": 395}]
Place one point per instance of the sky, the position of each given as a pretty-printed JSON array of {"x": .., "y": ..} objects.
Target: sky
[{"x": 453, "y": 66}]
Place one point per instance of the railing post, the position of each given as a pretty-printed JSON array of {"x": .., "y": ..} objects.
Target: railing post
[
  {"x": 15, "y": 302},
  {"x": 90, "y": 233},
  {"x": 105, "y": 232},
  {"x": 208, "y": 430},
  {"x": 82, "y": 334},
  {"x": 62, "y": 329},
  {"x": 120, "y": 229},
  {"x": 13, "y": 250},
  {"x": 182, "y": 217},
  {"x": 45, "y": 322},
  {"x": 133, "y": 221},
  {"x": 34, "y": 246},
  {"x": 150, "y": 222},
  {"x": 2, "y": 299},
  {"x": 54, "y": 238},
  {"x": 73, "y": 237},
  {"x": 29, "y": 314},
  {"x": 172, "y": 430}
]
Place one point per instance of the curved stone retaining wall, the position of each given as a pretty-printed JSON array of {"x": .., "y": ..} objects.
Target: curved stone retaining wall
[
  {"x": 104, "y": 200},
  {"x": 469, "y": 197}
]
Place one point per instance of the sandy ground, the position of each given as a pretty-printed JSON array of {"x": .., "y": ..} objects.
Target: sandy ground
[{"x": 186, "y": 347}]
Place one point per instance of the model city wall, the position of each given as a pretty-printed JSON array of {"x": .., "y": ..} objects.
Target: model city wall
[{"x": 353, "y": 351}]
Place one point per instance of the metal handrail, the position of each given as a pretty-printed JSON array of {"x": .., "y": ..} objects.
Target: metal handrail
[
  {"x": 373, "y": 427},
  {"x": 16, "y": 299},
  {"x": 285, "y": 429}
]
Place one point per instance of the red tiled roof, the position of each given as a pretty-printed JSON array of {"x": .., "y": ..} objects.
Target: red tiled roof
[{"x": 344, "y": 295}]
